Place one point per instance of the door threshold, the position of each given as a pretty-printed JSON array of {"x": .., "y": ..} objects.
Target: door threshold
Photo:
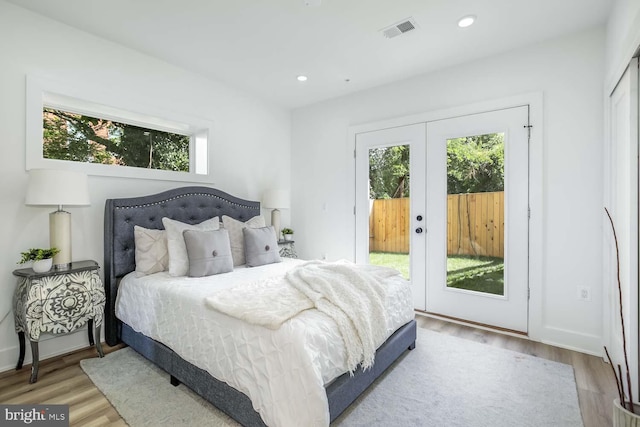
[{"x": 470, "y": 323}]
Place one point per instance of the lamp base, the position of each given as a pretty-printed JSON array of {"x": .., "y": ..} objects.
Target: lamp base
[
  {"x": 60, "y": 238},
  {"x": 275, "y": 221}
]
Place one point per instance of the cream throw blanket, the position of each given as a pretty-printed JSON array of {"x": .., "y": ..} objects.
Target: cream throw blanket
[{"x": 352, "y": 295}]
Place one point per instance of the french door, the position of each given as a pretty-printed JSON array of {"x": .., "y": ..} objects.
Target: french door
[
  {"x": 390, "y": 202},
  {"x": 477, "y": 218},
  {"x": 449, "y": 198}
]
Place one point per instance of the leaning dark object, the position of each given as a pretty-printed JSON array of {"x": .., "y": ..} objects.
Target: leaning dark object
[{"x": 628, "y": 405}]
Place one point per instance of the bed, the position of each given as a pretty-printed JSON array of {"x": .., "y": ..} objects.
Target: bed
[{"x": 194, "y": 205}]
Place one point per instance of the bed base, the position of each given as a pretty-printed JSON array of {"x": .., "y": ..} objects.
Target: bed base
[{"x": 340, "y": 393}]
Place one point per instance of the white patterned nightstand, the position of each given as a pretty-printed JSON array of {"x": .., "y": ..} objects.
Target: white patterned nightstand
[
  {"x": 287, "y": 249},
  {"x": 57, "y": 302}
]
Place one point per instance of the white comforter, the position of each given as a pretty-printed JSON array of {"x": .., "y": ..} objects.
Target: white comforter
[
  {"x": 283, "y": 371},
  {"x": 350, "y": 294}
]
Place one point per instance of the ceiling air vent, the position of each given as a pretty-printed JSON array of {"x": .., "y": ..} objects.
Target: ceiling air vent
[{"x": 401, "y": 27}]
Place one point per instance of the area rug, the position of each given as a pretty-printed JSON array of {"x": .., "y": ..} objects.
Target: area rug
[{"x": 445, "y": 381}]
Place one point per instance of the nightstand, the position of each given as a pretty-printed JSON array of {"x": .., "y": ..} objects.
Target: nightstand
[
  {"x": 57, "y": 302},
  {"x": 287, "y": 249}
]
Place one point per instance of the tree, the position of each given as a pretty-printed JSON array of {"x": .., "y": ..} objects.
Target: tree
[
  {"x": 389, "y": 172},
  {"x": 475, "y": 164},
  {"x": 65, "y": 138},
  {"x": 76, "y": 137}
]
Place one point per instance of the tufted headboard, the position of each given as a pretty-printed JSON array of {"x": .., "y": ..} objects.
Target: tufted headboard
[{"x": 191, "y": 205}]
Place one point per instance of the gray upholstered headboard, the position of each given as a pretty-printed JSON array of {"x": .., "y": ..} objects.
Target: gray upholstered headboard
[{"x": 187, "y": 204}]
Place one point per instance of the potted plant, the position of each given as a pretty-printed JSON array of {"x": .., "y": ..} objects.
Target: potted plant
[
  {"x": 625, "y": 412},
  {"x": 42, "y": 258},
  {"x": 287, "y": 233}
]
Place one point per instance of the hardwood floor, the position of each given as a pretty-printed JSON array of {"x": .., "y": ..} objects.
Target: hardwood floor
[{"x": 62, "y": 381}]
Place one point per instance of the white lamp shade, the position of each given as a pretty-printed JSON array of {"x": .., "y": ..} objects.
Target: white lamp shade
[
  {"x": 276, "y": 199},
  {"x": 57, "y": 187}
]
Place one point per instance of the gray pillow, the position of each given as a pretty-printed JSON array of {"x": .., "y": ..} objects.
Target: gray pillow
[
  {"x": 237, "y": 238},
  {"x": 178, "y": 260},
  {"x": 209, "y": 252},
  {"x": 260, "y": 246}
]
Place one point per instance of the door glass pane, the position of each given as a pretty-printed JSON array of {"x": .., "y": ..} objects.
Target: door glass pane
[
  {"x": 389, "y": 207},
  {"x": 475, "y": 213}
]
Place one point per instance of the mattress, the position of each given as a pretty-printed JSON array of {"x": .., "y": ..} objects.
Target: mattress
[{"x": 282, "y": 371}]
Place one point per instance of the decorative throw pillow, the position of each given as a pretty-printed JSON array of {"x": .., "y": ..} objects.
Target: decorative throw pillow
[
  {"x": 236, "y": 237},
  {"x": 260, "y": 246},
  {"x": 178, "y": 260},
  {"x": 152, "y": 255},
  {"x": 209, "y": 252}
]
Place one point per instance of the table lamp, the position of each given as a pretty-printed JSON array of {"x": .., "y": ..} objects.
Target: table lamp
[
  {"x": 276, "y": 200},
  {"x": 52, "y": 187}
]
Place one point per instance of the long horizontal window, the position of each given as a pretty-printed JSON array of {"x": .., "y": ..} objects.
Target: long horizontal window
[
  {"x": 114, "y": 133},
  {"x": 83, "y": 138}
]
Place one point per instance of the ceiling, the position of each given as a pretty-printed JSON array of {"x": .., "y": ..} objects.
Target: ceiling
[{"x": 260, "y": 46}]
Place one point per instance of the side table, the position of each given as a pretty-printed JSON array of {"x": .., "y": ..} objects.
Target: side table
[
  {"x": 287, "y": 249},
  {"x": 57, "y": 302}
]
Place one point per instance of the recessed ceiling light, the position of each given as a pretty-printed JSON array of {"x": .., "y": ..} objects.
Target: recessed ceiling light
[
  {"x": 302, "y": 78},
  {"x": 466, "y": 21}
]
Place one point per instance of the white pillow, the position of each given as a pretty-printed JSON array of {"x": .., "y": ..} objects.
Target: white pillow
[
  {"x": 178, "y": 258},
  {"x": 152, "y": 255},
  {"x": 235, "y": 227}
]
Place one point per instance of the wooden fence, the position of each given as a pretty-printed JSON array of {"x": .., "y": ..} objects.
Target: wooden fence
[
  {"x": 389, "y": 225},
  {"x": 475, "y": 225}
]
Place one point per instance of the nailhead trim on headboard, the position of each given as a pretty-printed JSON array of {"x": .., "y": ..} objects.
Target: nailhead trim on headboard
[{"x": 183, "y": 196}]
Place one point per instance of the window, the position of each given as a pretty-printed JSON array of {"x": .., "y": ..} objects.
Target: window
[
  {"x": 82, "y": 138},
  {"x": 98, "y": 139}
]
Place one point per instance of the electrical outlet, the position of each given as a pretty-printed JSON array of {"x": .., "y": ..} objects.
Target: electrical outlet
[{"x": 584, "y": 293}]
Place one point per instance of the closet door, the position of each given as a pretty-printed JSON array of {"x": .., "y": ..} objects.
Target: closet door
[{"x": 621, "y": 199}]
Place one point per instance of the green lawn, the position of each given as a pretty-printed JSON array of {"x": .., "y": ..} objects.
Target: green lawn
[
  {"x": 398, "y": 261},
  {"x": 481, "y": 274}
]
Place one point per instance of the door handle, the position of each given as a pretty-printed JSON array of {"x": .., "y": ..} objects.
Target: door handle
[{"x": 419, "y": 230}]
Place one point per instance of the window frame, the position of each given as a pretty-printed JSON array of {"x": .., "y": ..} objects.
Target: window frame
[{"x": 42, "y": 92}]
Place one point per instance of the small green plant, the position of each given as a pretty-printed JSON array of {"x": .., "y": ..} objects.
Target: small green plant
[
  {"x": 37, "y": 254},
  {"x": 287, "y": 231}
]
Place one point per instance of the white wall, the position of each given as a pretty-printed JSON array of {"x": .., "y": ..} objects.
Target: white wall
[
  {"x": 251, "y": 142},
  {"x": 570, "y": 74},
  {"x": 622, "y": 39}
]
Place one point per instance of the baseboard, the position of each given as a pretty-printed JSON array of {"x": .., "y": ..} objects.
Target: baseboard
[
  {"x": 572, "y": 340},
  {"x": 49, "y": 346}
]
